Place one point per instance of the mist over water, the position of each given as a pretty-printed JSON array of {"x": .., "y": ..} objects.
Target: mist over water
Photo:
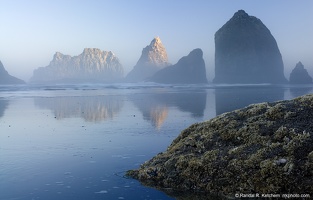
[{"x": 77, "y": 141}]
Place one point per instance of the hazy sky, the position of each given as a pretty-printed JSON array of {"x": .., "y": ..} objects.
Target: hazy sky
[{"x": 33, "y": 30}]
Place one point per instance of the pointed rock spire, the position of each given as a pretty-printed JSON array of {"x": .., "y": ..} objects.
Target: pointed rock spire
[
  {"x": 300, "y": 75},
  {"x": 152, "y": 59}
]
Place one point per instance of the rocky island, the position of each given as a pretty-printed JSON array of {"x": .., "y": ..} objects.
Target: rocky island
[
  {"x": 93, "y": 65},
  {"x": 6, "y": 78},
  {"x": 247, "y": 52},
  {"x": 262, "y": 148},
  {"x": 189, "y": 69},
  {"x": 300, "y": 75},
  {"x": 152, "y": 59}
]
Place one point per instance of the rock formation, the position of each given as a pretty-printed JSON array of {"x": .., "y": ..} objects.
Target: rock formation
[
  {"x": 152, "y": 59},
  {"x": 93, "y": 65},
  {"x": 246, "y": 52},
  {"x": 299, "y": 75},
  {"x": 188, "y": 70},
  {"x": 6, "y": 78},
  {"x": 262, "y": 148}
]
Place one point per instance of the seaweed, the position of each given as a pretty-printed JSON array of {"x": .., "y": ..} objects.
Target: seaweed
[{"x": 262, "y": 148}]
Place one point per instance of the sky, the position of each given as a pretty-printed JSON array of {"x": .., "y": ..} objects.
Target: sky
[{"x": 33, "y": 30}]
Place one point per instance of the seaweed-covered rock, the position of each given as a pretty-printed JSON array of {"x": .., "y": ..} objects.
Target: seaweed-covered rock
[{"x": 262, "y": 148}]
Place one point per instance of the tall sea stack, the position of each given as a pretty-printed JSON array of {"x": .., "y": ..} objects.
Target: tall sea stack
[
  {"x": 246, "y": 52},
  {"x": 152, "y": 59}
]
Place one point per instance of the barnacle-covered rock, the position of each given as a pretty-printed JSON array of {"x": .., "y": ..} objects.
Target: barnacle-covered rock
[{"x": 262, "y": 148}]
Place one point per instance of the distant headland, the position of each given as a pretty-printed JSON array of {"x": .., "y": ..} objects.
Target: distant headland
[{"x": 6, "y": 78}]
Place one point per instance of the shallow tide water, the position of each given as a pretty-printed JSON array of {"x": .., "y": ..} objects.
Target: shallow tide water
[{"x": 77, "y": 141}]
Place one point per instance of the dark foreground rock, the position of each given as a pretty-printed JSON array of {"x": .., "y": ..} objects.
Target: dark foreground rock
[{"x": 263, "y": 148}]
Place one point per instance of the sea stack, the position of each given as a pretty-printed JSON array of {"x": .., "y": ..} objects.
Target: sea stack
[
  {"x": 300, "y": 75},
  {"x": 247, "y": 52},
  {"x": 152, "y": 59},
  {"x": 6, "y": 78},
  {"x": 189, "y": 69},
  {"x": 93, "y": 65}
]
